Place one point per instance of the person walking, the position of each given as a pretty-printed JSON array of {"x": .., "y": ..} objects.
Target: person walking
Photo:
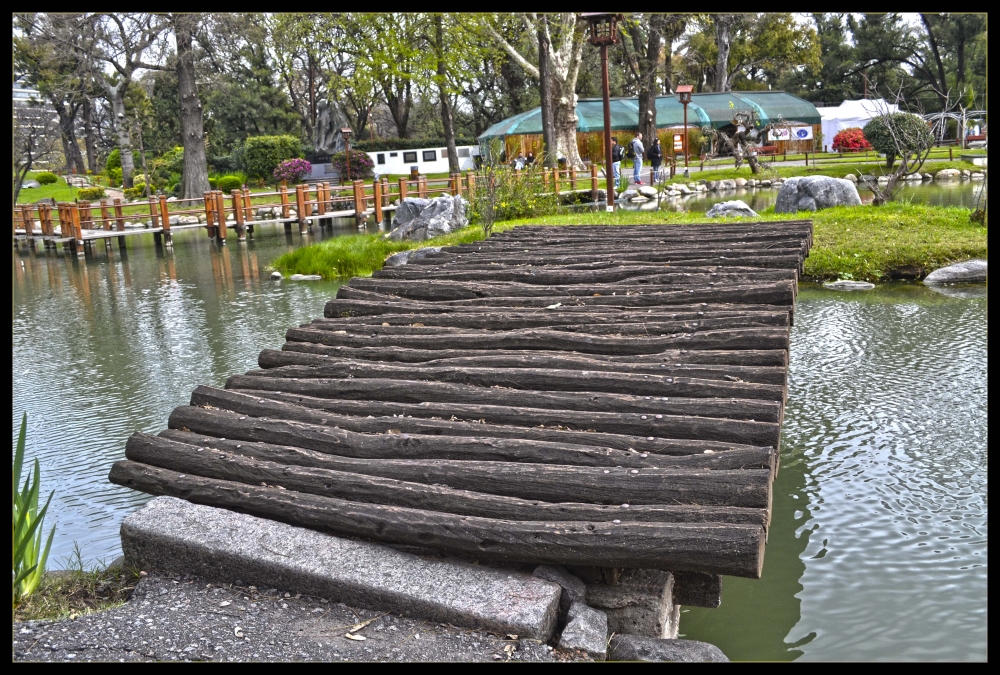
[
  {"x": 636, "y": 151},
  {"x": 655, "y": 158},
  {"x": 616, "y": 161}
]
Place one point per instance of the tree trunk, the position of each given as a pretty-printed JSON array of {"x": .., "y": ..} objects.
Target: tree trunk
[
  {"x": 117, "y": 96},
  {"x": 723, "y": 25},
  {"x": 564, "y": 122},
  {"x": 67, "y": 120},
  {"x": 545, "y": 92},
  {"x": 90, "y": 135},
  {"x": 648, "y": 65},
  {"x": 194, "y": 177},
  {"x": 446, "y": 116},
  {"x": 399, "y": 107}
]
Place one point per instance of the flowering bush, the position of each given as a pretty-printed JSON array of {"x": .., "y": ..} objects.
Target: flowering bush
[
  {"x": 851, "y": 139},
  {"x": 362, "y": 165},
  {"x": 293, "y": 170}
]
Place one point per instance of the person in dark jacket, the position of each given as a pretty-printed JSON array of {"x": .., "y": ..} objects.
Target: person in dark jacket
[{"x": 655, "y": 155}]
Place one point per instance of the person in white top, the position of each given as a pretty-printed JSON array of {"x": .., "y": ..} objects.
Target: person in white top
[{"x": 637, "y": 151}]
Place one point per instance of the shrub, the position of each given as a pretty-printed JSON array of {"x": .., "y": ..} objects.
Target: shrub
[
  {"x": 362, "y": 165},
  {"x": 91, "y": 193},
  {"x": 46, "y": 177},
  {"x": 260, "y": 155},
  {"x": 114, "y": 160},
  {"x": 380, "y": 144},
  {"x": 229, "y": 183},
  {"x": 851, "y": 139},
  {"x": 29, "y": 557},
  {"x": 293, "y": 170},
  {"x": 135, "y": 192},
  {"x": 172, "y": 160},
  {"x": 213, "y": 183},
  {"x": 114, "y": 176},
  {"x": 897, "y": 134}
]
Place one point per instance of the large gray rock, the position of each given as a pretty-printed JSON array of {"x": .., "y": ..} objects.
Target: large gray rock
[
  {"x": 727, "y": 184},
  {"x": 811, "y": 193},
  {"x": 640, "y": 603},
  {"x": 419, "y": 219},
  {"x": 638, "y": 648},
  {"x": 587, "y": 631},
  {"x": 848, "y": 285},
  {"x": 732, "y": 209},
  {"x": 175, "y": 536},
  {"x": 403, "y": 257},
  {"x": 30, "y": 184},
  {"x": 573, "y": 589},
  {"x": 968, "y": 272},
  {"x": 648, "y": 191},
  {"x": 947, "y": 174}
]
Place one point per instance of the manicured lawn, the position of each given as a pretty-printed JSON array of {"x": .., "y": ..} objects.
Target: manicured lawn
[
  {"x": 837, "y": 169},
  {"x": 865, "y": 242},
  {"x": 59, "y": 191}
]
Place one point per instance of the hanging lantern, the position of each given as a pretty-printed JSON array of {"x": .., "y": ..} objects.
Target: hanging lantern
[{"x": 603, "y": 27}]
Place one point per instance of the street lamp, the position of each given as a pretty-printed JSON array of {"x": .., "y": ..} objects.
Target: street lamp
[
  {"x": 684, "y": 93},
  {"x": 604, "y": 32},
  {"x": 346, "y": 134}
]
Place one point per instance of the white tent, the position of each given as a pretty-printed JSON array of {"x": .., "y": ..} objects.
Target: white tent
[{"x": 851, "y": 114}]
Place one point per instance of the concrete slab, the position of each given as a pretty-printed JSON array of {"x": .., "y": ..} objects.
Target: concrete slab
[
  {"x": 638, "y": 648},
  {"x": 176, "y": 536},
  {"x": 640, "y": 603}
]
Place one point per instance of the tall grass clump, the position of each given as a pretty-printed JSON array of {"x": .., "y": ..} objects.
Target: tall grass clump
[
  {"x": 29, "y": 557},
  {"x": 348, "y": 256}
]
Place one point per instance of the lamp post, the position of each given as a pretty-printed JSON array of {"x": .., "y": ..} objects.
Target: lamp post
[
  {"x": 604, "y": 32},
  {"x": 346, "y": 134},
  {"x": 684, "y": 93}
]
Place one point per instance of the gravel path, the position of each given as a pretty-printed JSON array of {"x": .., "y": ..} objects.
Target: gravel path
[{"x": 190, "y": 619}]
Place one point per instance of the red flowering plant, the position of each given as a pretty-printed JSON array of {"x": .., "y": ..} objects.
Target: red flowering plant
[
  {"x": 362, "y": 165},
  {"x": 293, "y": 170},
  {"x": 852, "y": 139}
]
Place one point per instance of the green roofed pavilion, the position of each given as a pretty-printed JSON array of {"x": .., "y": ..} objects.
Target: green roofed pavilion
[{"x": 708, "y": 109}]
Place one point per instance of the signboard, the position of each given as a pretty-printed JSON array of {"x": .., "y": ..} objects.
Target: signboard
[
  {"x": 790, "y": 134},
  {"x": 678, "y": 143}
]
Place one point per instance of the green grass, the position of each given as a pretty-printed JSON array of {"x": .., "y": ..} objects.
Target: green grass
[
  {"x": 75, "y": 592},
  {"x": 835, "y": 169},
  {"x": 59, "y": 191},
  {"x": 863, "y": 243}
]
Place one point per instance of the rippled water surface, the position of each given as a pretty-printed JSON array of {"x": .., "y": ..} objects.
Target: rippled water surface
[{"x": 877, "y": 546}]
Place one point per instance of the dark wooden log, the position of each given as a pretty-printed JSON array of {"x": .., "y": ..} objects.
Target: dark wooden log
[
  {"x": 639, "y": 424},
  {"x": 750, "y": 358},
  {"x": 775, "y": 293},
  {"x": 676, "y": 250},
  {"x": 308, "y": 380},
  {"x": 718, "y": 548},
  {"x": 331, "y": 413},
  {"x": 738, "y": 338},
  {"x": 223, "y": 460},
  {"x": 697, "y": 589},
  {"x": 752, "y": 259},
  {"x": 558, "y": 275},
  {"x": 291, "y": 356},
  {"x": 545, "y": 482},
  {"x": 625, "y": 388}
]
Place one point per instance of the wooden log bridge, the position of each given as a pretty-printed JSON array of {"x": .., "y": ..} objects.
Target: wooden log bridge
[{"x": 584, "y": 396}]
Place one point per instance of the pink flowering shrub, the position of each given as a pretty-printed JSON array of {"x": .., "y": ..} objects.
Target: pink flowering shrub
[{"x": 293, "y": 170}]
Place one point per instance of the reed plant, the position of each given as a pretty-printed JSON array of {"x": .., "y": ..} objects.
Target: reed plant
[{"x": 29, "y": 556}]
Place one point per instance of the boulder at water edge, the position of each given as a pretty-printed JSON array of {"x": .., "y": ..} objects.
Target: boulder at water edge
[
  {"x": 947, "y": 174},
  {"x": 648, "y": 191},
  {"x": 419, "y": 219},
  {"x": 403, "y": 257},
  {"x": 30, "y": 184},
  {"x": 968, "y": 272},
  {"x": 639, "y": 648},
  {"x": 847, "y": 285},
  {"x": 811, "y": 193},
  {"x": 732, "y": 209}
]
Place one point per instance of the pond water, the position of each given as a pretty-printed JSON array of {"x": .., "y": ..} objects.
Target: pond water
[
  {"x": 935, "y": 193},
  {"x": 877, "y": 548}
]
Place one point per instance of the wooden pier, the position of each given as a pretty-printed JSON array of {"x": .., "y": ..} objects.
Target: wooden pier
[
  {"x": 590, "y": 396},
  {"x": 79, "y": 225}
]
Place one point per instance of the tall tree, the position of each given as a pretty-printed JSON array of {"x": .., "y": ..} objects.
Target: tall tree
[
  {"x": 34, "y": 140},
  {"x": 194, "y": 177},
  {"x": 646, "y": 35},
  {"x": 563, "y": 39}
]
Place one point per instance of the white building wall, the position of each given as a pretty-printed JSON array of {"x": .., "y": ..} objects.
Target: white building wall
[{"x": 427, "y": 160}]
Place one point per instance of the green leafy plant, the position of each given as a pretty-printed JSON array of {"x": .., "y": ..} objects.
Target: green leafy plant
[
  {"x": 90, "y": 193},
  {"x": 46, "y": 177},
  {"x": 502, "y": 193},
  {"x": 29, "y": 557},
  {"x": 898, "y": 134},
  {"x": 362, "y": 165},
  {"x": 260, "y": 155},
  {"x": 229, "y": 183},
  {"x": 213, "y": 183}
]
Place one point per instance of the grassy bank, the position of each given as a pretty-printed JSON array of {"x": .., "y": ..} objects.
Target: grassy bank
[
  {"x": 72, "y": 593},
  {"x": 869, "y": 243},
  {"x": 837, "y": 169},
  {"x": 60, "y": 191}
]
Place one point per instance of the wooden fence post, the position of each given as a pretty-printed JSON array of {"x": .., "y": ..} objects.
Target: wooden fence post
[
  {"x": 422, "y": 187},
  {"x": 572, "y": 178},
  {"x": 210, "y": 213},
  {"x": 359, "y": 202},
  {"x": 545, "y": 180},
  {"x": 385, "y": 191},
  {"x": 45, "y": 216},
  {"x": 154, "y": 219},
  {"x": 86, "y": 219},
  {"x": 555, "y": 181},
  {"x": 168, "y": 238},
  {"x": 593, "y": 183},
  {"x": 453, "y": 184},
  {"x": 247, "y": 210},
  {"x": 300, "y": 207},
  {"x": 807, "y": 159},
  {"x": 377, "y": 201},
  {"x": 220, "y": 209},
  {"x": 402, "y": 189},
  {"x": 75, "y": 228},
  {"x": 470, "y": 182},
  {"x": 237, "y": 195},
  {"x": 119, "y": 222},
  {"x": 105, "y": 215}
]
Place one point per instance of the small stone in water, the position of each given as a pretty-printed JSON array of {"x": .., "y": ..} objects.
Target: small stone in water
[
  {"x": 624, "y": 506},
  {"x": 606, "y": 471},
  {"x": 616, "y": 521},
  {"x": 659, "y": 417},
  {"x": 635, "y": 470},
  {"x": 649, "y": 438}
]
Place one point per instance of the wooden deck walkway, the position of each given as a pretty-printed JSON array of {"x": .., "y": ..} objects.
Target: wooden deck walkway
[{"x": 589, "y": 396}]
